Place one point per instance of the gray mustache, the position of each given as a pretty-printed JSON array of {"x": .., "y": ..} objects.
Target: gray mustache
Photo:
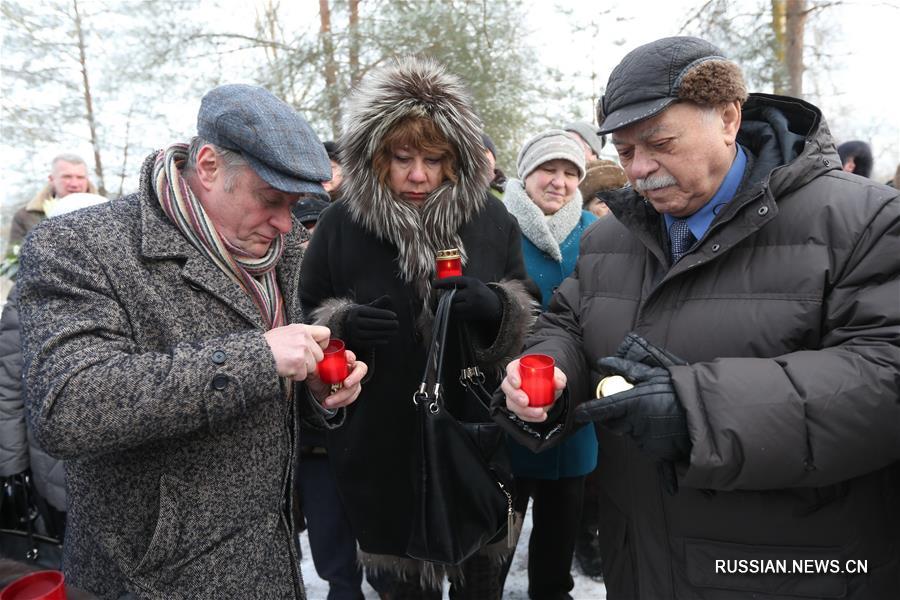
[{"x": 654, "y": 182}]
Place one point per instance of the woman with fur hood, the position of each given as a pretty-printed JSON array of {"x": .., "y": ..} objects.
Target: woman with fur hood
[{"x": 416, "y": 181}]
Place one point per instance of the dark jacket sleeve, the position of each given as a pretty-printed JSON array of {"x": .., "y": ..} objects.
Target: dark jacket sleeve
[
  {"x": 557, "y": 333},
  {"x": 317, "y": 295},
  {"x": 834, "y": 408},
  {"x": 520, "y": 299},
  {"x": 18, "y": 229},
  {"x": 13, "y": 443}
]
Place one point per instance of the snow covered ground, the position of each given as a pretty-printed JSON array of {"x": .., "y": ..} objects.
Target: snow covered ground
[{"x": 516, "y": 583}]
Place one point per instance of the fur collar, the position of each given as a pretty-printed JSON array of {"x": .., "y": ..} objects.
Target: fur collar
[
  {"x": 418, "y": 87},
  {"x": 546, "y": 234}
]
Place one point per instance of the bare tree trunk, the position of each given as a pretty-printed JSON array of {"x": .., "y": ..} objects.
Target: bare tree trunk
[
  {"x": 125, "y": 152},
  {"x": 354, "y": 42},
  {"x": 88, "y": 100},
  {"x": 330, "y": 68},
  {"x": 778, "y": 10},
  {"x": 795, "y": 23}
]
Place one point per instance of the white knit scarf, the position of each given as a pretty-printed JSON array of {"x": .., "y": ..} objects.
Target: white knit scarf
[{"x": 545, "y": 233}]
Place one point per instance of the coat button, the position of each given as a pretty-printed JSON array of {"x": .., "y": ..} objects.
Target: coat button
[
  {"x": 218, "y": 357},
  {"x": 827, "y": 163},
  {"x": 763, "y": 210},
  {"x": 715, "y": 247},
  {"x": 220, "y": 382},
  {"x": 195, "y": 287}
]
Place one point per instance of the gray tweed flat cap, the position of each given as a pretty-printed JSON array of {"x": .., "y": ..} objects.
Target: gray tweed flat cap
[{"x": 276, "y": 141}]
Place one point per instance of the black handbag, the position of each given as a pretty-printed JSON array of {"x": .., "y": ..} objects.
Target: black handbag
[
  {"x": 462, "y": 477},
  {"x": 23, "y": 512}
]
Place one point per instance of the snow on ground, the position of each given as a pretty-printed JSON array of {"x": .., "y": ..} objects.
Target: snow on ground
[{"x": 516, "y": 584}]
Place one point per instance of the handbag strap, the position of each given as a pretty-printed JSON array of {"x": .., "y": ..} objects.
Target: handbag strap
[
  {"x": 434, "y": 364},
  {"x": 471, "y": 376}
]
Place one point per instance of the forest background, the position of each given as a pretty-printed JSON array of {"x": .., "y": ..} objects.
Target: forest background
[{"x": 113, "y": 80}]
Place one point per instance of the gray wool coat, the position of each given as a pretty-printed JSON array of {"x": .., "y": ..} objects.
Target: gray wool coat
[{"x": 147, "y": 370}]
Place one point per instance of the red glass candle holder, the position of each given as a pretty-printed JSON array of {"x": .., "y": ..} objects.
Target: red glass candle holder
[
  {"x": 448, "y": 263},
  {"x": 536, "y": 373},
  {"x": 40, "y": 585},
  {"x": 333, "y": 368}
]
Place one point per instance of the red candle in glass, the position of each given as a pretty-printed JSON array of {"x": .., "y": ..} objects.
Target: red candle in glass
[
  {"x": 333, "y": 367},
  {"x": 536, "y": 372},
  {"x": 40, "y": 585},
  {"x": 448, "y": 263}
]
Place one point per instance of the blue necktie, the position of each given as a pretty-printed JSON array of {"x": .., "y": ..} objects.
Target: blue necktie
[{"x": 680, "y": 238}]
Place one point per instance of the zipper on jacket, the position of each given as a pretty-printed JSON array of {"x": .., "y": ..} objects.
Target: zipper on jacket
[
  {"x": 287, "y": 493},
  {"x": 510, "y": 517}
]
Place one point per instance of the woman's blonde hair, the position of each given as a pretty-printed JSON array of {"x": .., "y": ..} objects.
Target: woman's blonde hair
[{"x": 421, "y": 134}]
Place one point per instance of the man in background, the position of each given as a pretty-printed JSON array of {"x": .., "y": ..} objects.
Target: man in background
[
  {"x": 856, "y": 157},
  {"x": 333, "y": 185},
  {"x": 586, "y": 135},
  {"x": 68, "y": 175}
]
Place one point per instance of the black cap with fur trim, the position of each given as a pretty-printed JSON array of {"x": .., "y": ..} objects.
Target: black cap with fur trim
[{"x": 654, "y": 76}]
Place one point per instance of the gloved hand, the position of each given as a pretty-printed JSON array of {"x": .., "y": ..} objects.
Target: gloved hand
[
  {"x": 636, "y": 348},
  {"x": 649, "y": 412},
  {"x": 370, "y": 325},
  {"x": 473, "y": 299}
]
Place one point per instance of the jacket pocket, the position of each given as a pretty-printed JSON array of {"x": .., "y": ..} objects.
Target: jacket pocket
[
  {"x": 197, "y": 533},
  {"x": 165, "y": 533},
  {"x": 779, "y": 571},
  {"x": 616, "y": 550}
]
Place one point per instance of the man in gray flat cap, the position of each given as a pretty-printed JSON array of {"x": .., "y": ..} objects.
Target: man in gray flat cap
[
  {"x": 166, "y": 361},
  {"x": 747, "y": 292}
]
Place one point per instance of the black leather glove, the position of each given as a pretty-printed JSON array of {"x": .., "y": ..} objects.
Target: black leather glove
[
  {"x": 649, "y": 412},
  {"x": 370, "y": 325},
  {"x": 473, "y": 299},
  {"x": 636, "y": 348}
]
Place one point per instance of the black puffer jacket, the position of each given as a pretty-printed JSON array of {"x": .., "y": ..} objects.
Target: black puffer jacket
[
  {"x": 18, "y": 448},
  {"x": 788, "y": 313}
]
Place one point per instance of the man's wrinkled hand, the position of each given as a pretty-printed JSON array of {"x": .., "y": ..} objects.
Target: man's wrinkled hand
[
  {"x": 350, "y": 387},
  {"x": 517, "y": 400},
  {"x": 297, "y": 348}
]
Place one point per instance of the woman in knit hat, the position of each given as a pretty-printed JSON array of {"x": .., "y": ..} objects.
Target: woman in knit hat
[{"x": 547, "y": 204}]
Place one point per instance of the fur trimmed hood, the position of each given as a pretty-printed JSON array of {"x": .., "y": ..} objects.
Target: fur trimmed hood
[{"x": 413, "y": 87}]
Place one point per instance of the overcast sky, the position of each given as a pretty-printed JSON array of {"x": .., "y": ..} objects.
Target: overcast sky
[{"x": 861, "y": 93}]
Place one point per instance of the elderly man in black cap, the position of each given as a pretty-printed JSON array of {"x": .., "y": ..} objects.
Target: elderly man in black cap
[
  {"x": 166, "y": 362},
  {"x": 740, "y": 320}
]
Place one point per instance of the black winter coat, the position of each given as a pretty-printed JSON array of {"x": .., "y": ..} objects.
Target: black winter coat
[
  {"x": 788, "y": 313},
  {"x": 373, "y": 454}
]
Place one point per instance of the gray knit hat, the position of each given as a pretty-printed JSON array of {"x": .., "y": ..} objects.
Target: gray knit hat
[
  {"x": 549, "y": 145},
  {"x": 588, "y": 133}
]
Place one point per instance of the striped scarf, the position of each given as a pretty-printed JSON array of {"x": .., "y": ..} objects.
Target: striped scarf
[{"x": 256, "y": 276}]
